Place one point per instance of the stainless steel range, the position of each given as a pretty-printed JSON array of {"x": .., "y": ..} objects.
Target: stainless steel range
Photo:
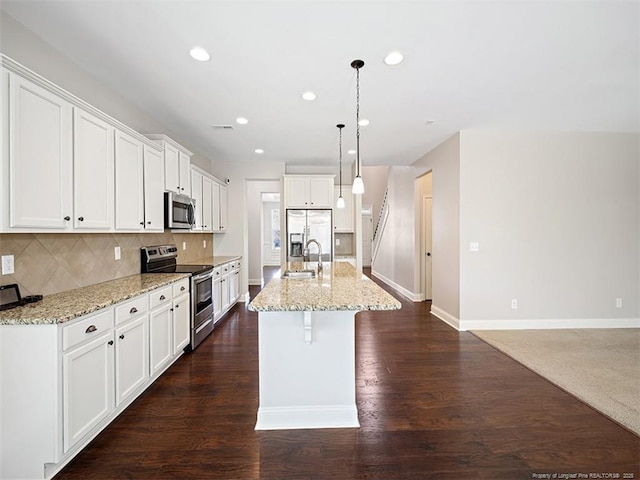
[{"x": 163, "y": 259}]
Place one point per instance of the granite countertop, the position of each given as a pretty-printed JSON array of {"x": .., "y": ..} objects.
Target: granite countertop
[
  {"x": 64, "y": 306},
  {"x": 340, "y": 287},
  {"x": 216, "y": 260}
]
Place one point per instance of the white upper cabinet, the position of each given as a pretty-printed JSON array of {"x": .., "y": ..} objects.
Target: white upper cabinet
[
  {"x": 153, "y": 190},
  {"x": 93, "y": 172},
  {"x": 196, "y": 194},
  {"x": 308, "y": 191},
  {"x": 177, "y": 165},
  {"x": 129, "y": 183},
  {"x": 38, "y": 171},
  {"x": 343, "y": 217},
  {"x": 207, "y": 204},
  {"x": 222, "y": 209}
]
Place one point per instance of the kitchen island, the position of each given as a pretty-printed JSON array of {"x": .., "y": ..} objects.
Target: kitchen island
[{"x": 306, "y": 341}]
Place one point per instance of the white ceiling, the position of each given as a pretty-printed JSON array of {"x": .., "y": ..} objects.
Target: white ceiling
[{"x": 542, "y": 65}]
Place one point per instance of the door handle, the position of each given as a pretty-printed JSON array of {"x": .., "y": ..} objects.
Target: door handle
[{"x": 428, "y": 254}]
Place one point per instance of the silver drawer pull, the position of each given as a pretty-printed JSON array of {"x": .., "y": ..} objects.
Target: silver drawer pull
[
  {"x": 162, "y": 297},
  {"x": 133, "y": 310},
  {"x": 90, "y": 329}
]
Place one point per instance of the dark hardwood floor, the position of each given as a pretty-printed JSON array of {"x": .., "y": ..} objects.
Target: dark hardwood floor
[{"x": 433, "y": 404}]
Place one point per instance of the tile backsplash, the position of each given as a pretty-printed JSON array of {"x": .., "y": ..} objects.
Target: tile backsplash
[{"x": 47, "y": 263}]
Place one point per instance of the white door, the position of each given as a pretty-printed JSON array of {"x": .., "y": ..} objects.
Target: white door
[
  {"x": 181, "y": 324},
  {"x": 88, "y": 388},
  {"x": 153, "y": 191},
  {"x": 367, "y": 234},
  {"x": 93, "y": 167},
  {"x": 161, "y": 345},
  {"x": 426, "y": 246},
  {"x": 40, "y": 149},
  {"x": 132, "y": 357},
  {"x": 129, "y": 183}
]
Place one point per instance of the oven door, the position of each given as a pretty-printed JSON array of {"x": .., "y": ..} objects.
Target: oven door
[{"x": 202, "y": 307}]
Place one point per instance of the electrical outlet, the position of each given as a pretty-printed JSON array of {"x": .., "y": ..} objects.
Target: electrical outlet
[
  {"x": 618, "y": 303},
  {"x": 337, "y": 242},
  {"x": 514, "y": 303},
  {"x": 7, "y": 265},
  {"x": 474, "y": 247},
  {"x": 117, "y": 253},
  {"x": 184, "y": 245},
  {"x": 204, "y": 244}
]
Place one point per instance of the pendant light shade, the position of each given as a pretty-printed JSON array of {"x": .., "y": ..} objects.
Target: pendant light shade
[
  {"x": 358, "y": 184},
  {"x": 340, "y": 202}
]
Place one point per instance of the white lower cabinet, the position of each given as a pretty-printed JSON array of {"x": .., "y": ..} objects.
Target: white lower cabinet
[
  {"x": 132, "y": 356},
  {"x": 226, "y": 287},
  {"x": 88, "y": 373},
  {"x": 81, "y": 374}
]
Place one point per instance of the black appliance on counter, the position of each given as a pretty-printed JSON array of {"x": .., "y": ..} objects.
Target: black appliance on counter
[{"x": 163, "y": 259}]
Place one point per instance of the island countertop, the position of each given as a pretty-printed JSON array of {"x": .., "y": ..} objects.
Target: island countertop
[
  {"x": 64, "y": 306},
  {"x": 339, "y": 287}
]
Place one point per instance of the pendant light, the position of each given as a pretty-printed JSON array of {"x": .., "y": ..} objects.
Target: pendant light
[
  {"x": 340, "y": 202},
  {"x": 358, "y": 185}
]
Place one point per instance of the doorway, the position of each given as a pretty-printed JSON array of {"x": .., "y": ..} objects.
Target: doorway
[
  {"x": 426, "y": 247},
  {"x": 367, "y": 235}
]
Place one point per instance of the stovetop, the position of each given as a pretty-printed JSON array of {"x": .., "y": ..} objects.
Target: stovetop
[
  {"x": 193, "y": 269},
  {"x": 162, "y": 259}
]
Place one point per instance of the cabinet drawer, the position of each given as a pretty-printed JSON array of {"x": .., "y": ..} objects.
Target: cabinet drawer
[
  {"x": 226, "y": 268},
  {"x": 131, "y": 309},
  {"x": 181, "y": 287},
  {"x": 217, "y": 272},
  {"x": 160, "y": 296},
  {"x": 90, "y": 327}
]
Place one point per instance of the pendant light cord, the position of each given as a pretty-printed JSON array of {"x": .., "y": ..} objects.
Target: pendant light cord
[
  {"x": 340, "y": 128},
  {"x": 358, "y": 122}
]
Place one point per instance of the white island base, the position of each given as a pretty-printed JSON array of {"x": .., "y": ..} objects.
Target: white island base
[{"x": 307, "y": 370}]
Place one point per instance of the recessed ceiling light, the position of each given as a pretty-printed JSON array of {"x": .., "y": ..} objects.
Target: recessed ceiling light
[
  {"x": 364, "y": 122},
  {"x": 242, "y": 121},
  {"x": 259, "y": 150},
  {"x": 393, "y": 58},
  {"x": 309, "y": 96},
  {"x": 351, "y": 152},
  {"x": 429, "y": 122},
  {"x": 200, "y": 54}
]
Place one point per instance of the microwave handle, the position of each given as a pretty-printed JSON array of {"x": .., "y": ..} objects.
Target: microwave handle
[{"x": 191, "y": 215}]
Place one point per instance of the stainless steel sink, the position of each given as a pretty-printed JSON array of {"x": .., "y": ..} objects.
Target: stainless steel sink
[{"x": 298, "y": 274}]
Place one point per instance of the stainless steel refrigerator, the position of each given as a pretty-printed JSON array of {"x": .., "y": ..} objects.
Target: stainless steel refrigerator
[{"x": 303, "y": 225}]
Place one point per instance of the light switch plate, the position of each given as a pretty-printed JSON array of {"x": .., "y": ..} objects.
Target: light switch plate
[{"x": 7, "y": 265}]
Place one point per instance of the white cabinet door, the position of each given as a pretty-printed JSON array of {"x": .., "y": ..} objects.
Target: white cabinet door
[
  {"x": 160, "y": 341},
  {"x": 215, "y": 205},
  {"x": 129, "y": 183},
  {"x": 132, "y": 357},
  {"x": 226, "y": 287},
  {"x": 93, "y": 172},
  {"x": 296, "y": 192},
  {"x": 171, "y": 168},
  {"x": 196, "y": 194},
  {"x": 207, "y": 204},
  {"x": 181, "y": 323},
  {"x": 88, "y": 383},
  {"x": 343, "y": 217},
  {"x": 185, "y": 178},
  {"x": 40, "y": 157},
  {"x": 153, "y": 190},
  {"x": 223, "y": 209},
  {"x": 320, "y": 192},
  {"x": 217, "y": 297},
  {"x": 234, "y": 284}
]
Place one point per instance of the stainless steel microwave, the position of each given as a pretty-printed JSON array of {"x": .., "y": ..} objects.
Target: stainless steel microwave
[{"x": 179, "y": 211}]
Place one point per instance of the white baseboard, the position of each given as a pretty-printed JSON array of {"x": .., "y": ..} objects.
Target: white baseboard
[
  {"x": 323, "y": 416},
  {"x": 446, "y": 317},
  {"x": 414, "y": 297},
  {"x": 547, "y": 323},
  {"x": 255, "y": 281}
]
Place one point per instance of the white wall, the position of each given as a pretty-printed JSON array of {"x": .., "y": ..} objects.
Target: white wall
[
  {"x": 444, "y": 163},
  {"x": 23, "y": 46},
  {"x": 556, "y": 217}
]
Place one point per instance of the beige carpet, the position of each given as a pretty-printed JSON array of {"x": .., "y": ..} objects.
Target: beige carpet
[{"x": 601, "y": 367}]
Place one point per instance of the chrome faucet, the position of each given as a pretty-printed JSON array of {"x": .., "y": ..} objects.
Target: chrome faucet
[{"x": 306, "y": 252}]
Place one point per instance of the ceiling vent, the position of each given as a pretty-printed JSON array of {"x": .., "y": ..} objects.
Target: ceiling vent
[{"x": 222, "y": 127}]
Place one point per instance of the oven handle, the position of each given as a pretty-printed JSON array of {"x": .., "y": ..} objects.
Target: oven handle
[{"x": 202, "y": 276}]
